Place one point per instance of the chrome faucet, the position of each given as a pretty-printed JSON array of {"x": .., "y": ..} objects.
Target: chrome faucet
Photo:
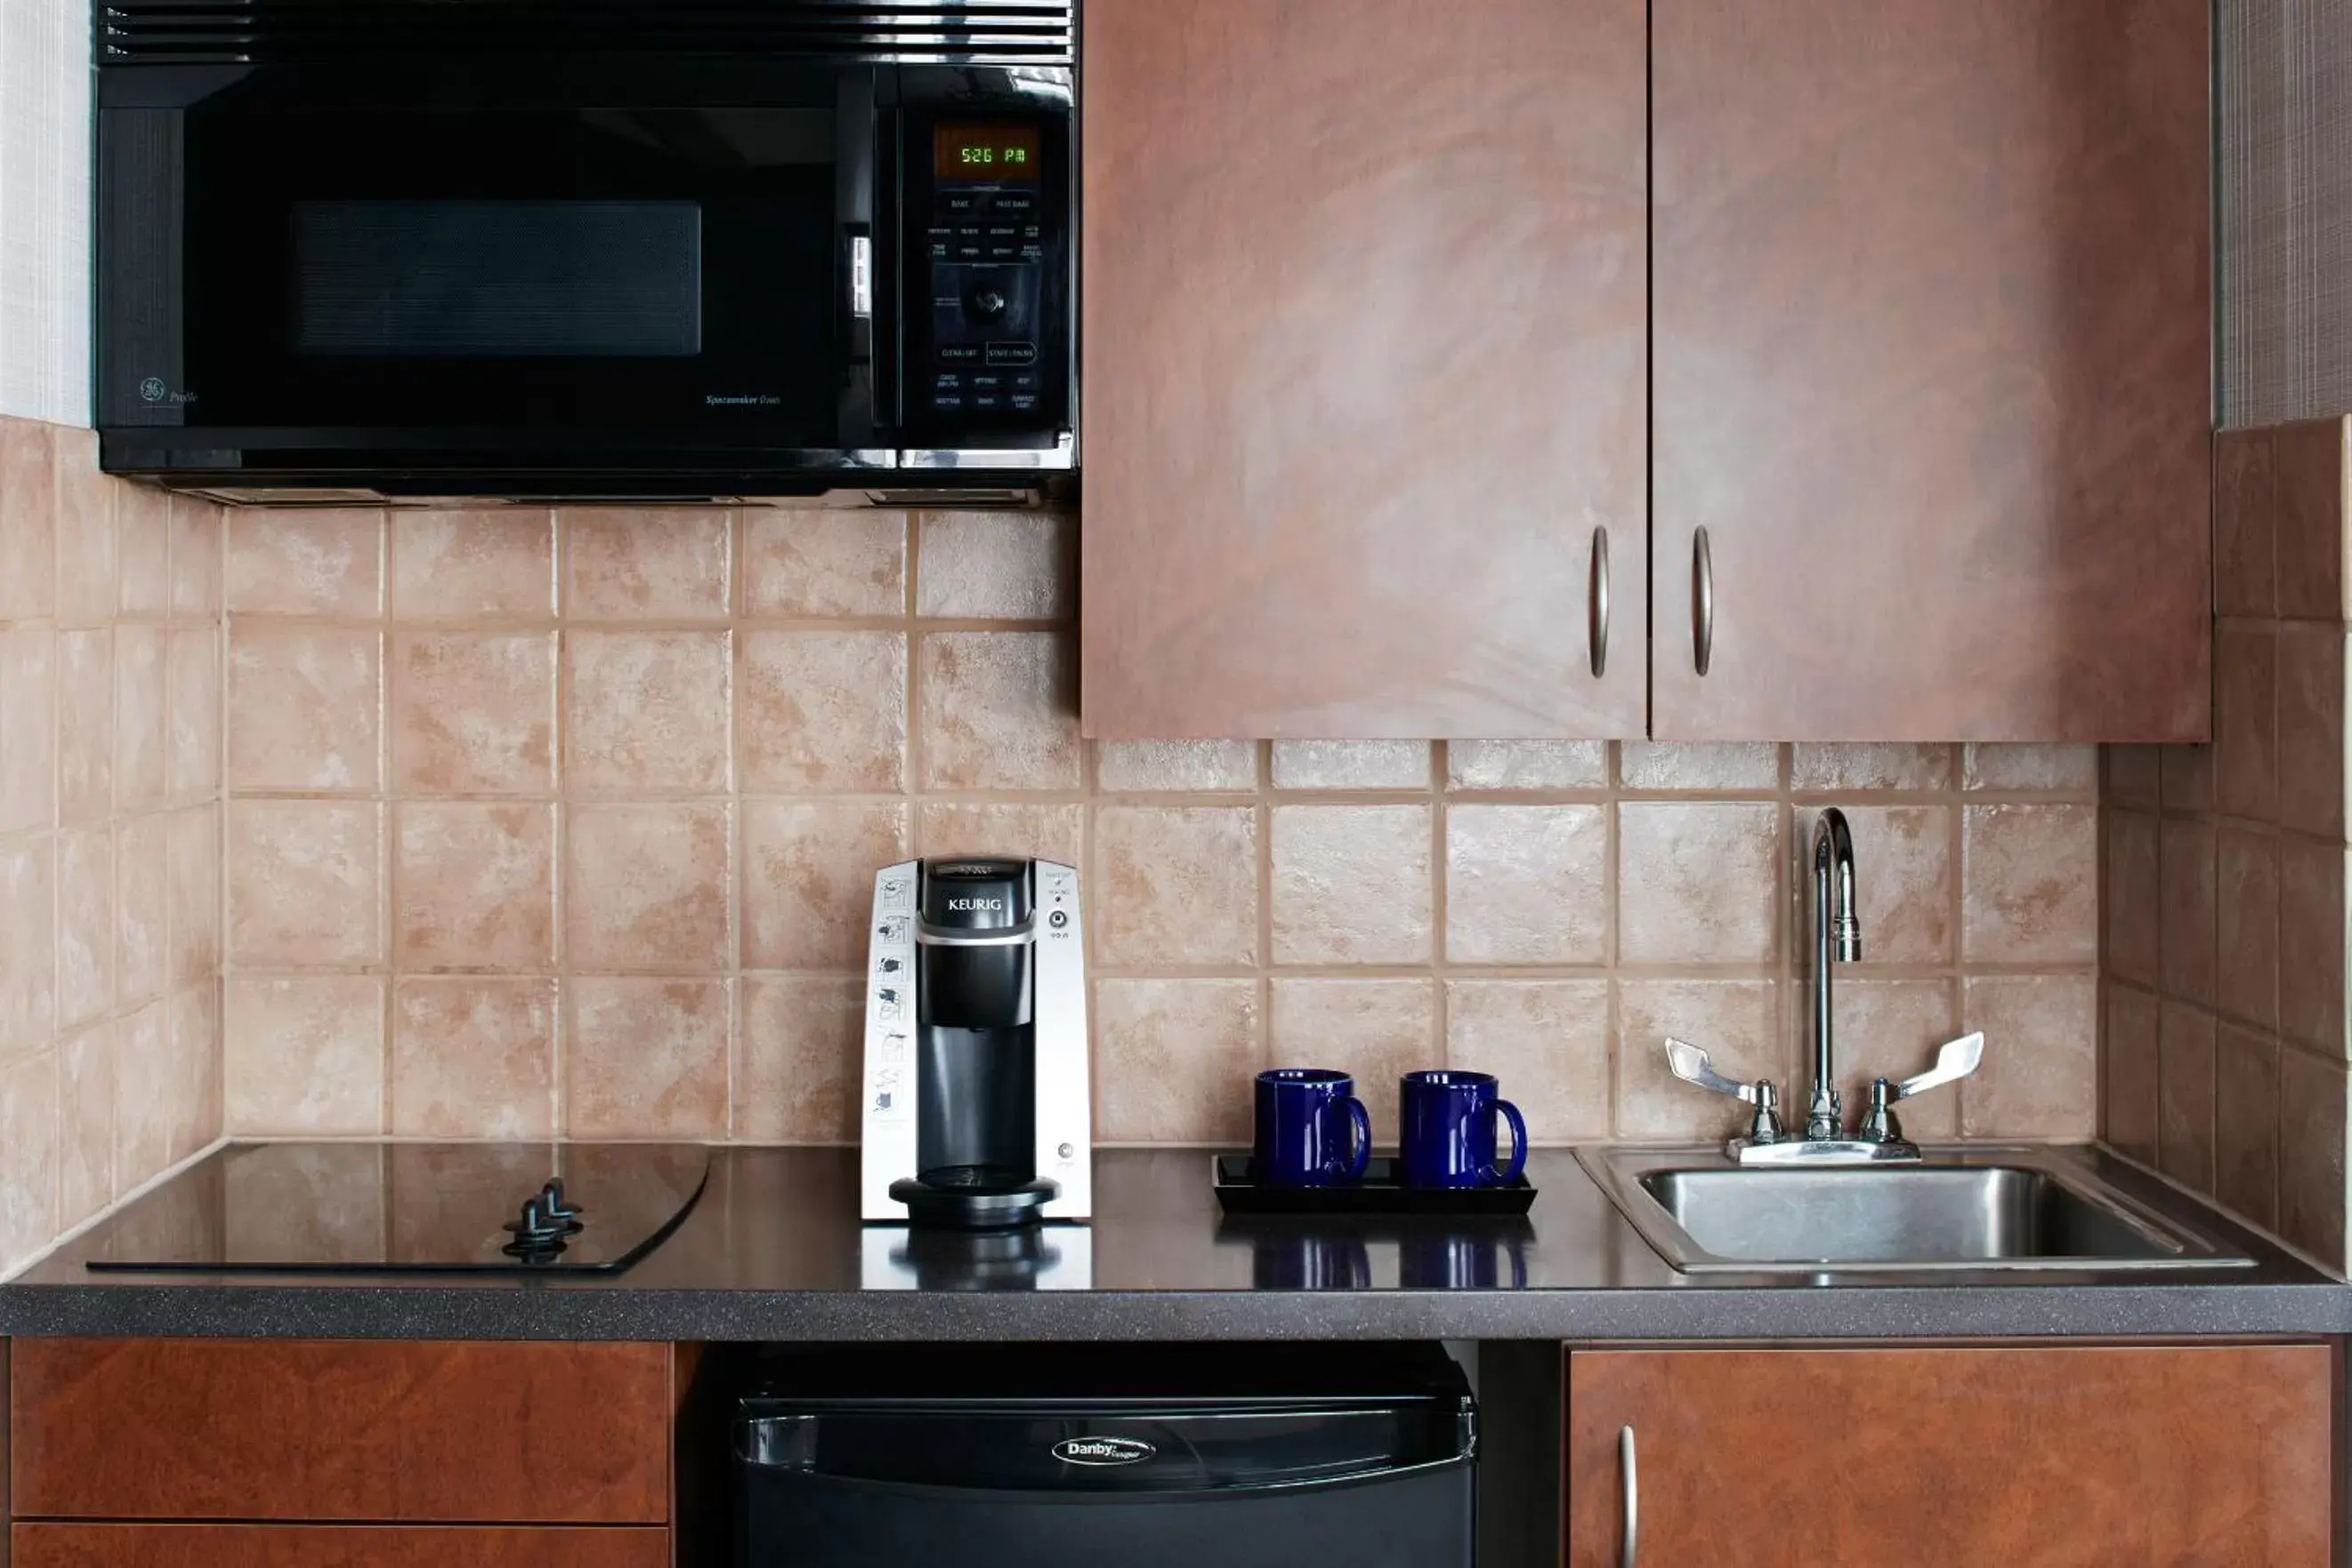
[{"x": 1837, "y": 939}]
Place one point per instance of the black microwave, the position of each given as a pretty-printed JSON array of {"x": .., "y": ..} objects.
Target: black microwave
[{"x": 604, "y": 247}]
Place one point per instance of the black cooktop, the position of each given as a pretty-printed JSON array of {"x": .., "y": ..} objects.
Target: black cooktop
[{"x": 409, "y": 1208}]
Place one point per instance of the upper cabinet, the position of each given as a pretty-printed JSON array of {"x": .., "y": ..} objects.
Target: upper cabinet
[
  {"x": 1933, "y": 325},
  {"x": 1375, "y": 291},
  {"x": 1365, "y": 393}
]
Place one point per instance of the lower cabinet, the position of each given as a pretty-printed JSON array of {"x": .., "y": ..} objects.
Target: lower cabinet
[
  {"x": 333, "y": 1546},
  {"x": 1949, "y": 1457}
]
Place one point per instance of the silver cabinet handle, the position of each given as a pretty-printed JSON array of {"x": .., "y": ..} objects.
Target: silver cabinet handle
[
  {"x": 1597, "y": 608},
  {"x": 1629, "y": 1499},
  {"x": 1702, "y": 601}
]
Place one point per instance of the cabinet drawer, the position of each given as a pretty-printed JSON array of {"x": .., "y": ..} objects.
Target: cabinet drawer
[
  {"x": 333, "y": 1546},
  {"x": 275, "y": 1429}
]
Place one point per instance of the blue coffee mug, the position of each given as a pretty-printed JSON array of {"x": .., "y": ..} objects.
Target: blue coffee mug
[
  {"x": 1448, "y": 1123},
  {"x": 1312, "y": 1130}
]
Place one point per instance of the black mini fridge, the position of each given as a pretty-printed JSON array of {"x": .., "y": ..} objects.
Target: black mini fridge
[{"x": 1087, "y": 1457}]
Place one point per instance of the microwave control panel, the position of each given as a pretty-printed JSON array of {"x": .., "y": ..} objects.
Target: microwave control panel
[{"x": 989, "y": 292}]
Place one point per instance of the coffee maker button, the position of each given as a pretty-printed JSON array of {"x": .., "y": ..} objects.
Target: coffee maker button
[
  {"x": 1064, "y": 1152},
  {"x": 1059, "y": 918}
]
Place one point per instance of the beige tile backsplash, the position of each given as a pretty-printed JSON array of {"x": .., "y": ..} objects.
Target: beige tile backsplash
[
  {"x": 566, "y": 821},
  {"x": 110, "y": 768}
]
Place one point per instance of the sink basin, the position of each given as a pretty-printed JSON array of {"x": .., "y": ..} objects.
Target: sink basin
[{"x": 1956, "y": 1210}]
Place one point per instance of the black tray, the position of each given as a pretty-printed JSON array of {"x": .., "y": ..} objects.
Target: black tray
[{"x": 1380, "y": 1193}]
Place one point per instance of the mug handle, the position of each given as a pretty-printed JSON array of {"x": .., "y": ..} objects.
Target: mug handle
[
  {"x": 1506, "y": 1174},
  {"x": 1362, "y": 1139}
]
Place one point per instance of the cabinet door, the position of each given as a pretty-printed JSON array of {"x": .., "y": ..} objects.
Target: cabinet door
[
  {"x": 2081, "y": 1455},
  {"x": 333, "y": 1546},
  {"x": 1933, "y": 305},
  {"x": 1365, "y": 368}
]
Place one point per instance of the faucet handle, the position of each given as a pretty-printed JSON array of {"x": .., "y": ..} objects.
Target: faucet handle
[
  {"x": 1955, "y": 1059},
  {"x": 1692, "y": 1065}
]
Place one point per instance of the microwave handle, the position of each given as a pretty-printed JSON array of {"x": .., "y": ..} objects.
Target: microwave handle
[{"x": 860, "y": 204}]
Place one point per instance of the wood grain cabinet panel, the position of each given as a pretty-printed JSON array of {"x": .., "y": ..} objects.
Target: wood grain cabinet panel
[
  {"x": 2033, "y": 1457},
  {"x": 1932, "y": 294},
  {"x": 335, "y": 1546},
  {"x": 1365, "y": 370},
  {"x": 385, "y": 1431}
]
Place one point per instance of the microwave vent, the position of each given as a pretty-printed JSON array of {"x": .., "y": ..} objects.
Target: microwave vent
[{"x": 941, "y": 32}]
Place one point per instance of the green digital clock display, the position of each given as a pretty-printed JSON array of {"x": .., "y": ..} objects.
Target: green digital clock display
[{"x": 985, "y": 154}]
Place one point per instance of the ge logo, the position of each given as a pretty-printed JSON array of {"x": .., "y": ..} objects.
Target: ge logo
[{"x": 154, "y": 390}]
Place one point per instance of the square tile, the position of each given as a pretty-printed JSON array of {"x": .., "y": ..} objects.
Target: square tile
[
  {"x": 28, "y": 995},
  {"x": 2188, "y": 920},
  {"x": 1351, "y": 765},
  {"x": 472, "y": 1057},
  {"x": 2246, "y": 911},
  {"x": 2245, "y": 723},
  {"x": 304, "y": 1055},
  {"x": 822, "y": 711},
  {"x": 999, "y": 711},
  {"x": 1890, "y": 1029},
  {"x": 1870, "y": 765},
  {"x": 29, "y": 1159},
  {"x": 1175, "y": 886},
  {"x": 192, "y": 757},
  {"x": 1526, "y": 764},
  {"x": 824, "y": 564},
  {"x": 647, "y": 711},
  {"x": 28, "y": 728},
  {"x": 2135, "y": 777},
  {"x": 2310, "y": 756},
  {"x": 1698, "y": 882},
  {"x": 2131, "y": 900},
  {"x": 143, "y": 1096},
  {"x": 473, "y": 563},
  {"x": 2307, "y": 463},
  {"x": 193, "y": 1054},
  {"x": 2245, "y": 548},
  {"x": 84, "y": 725},
  {"x": 998, "y": 566},
  {"x": 1547, "y": 1043},
  {"x": 303, "y": 882},
  {"x": 2185, "y": 1106},
  {"x": 647, "y": 1059},
  {"x": 29, "y": 519},
  {"x": 1375, "y": 1031},
  {"x": 2311, "y": 1155},
  {"x": 2040, "y": 1072},
  {"x": 1736, "y": 1022},
  {"x": 142, "y": 535},
  {"x": 1903, "y": 880},
  {"x": 474, "y": 886},
  {"x": 139, "y": 722},
  {"x": 303, "y": 562},
  {"x": 1683, "y": 765},
  {"x": 304, "y": 707},
  {"x": 798, "y": 1059},
  {"x": 647, "y": 564},
  {"x": 1526, "y": 884},
  {"x": 1056, "y": 833},
  {"x": 2029, "y": 884},
  {"x": 1176, "y": 1060},
  {"x": 2245, "y": 1123},
  {"x": 142, "y": 897},
  {"x": 88, "y": 580},
  {"x": 473, "y": 714},
  {"x": 85, "y": 982},
  {"x": 196, "y": 545},
  {"x": 2005, "y": 766},
  {"x": 1144, "y": 767},
  {"x": 1352, "y": 884},
  {"x": 645, "y": 888},
  {"x": 808, "y": 878},
  {"x": 2311, "y": 952},
  {"x": 86, "y": 1091},
  {"x": 2127, "y": 1117}
]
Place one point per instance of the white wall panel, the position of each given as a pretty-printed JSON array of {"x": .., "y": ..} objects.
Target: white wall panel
[{"x": 45, "y": 119}]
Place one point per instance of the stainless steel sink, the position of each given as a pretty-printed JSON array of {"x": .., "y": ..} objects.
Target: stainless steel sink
[{"x": 1957, "y": 1210}]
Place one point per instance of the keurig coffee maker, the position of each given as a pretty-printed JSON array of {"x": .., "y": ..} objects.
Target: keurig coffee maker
[{"x": 976, "y": 1107}]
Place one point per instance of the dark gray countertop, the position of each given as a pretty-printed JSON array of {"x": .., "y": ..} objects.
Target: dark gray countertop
[{"x": 774, "y": 1251}]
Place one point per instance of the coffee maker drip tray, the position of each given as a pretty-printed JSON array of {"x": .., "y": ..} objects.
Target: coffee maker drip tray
[{"x": 972, "y": 1204}]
